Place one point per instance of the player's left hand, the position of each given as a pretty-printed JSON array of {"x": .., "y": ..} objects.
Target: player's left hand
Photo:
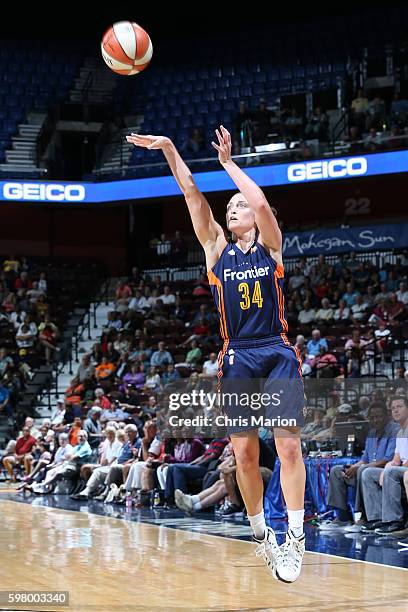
[{"x": 224, "y": 144}]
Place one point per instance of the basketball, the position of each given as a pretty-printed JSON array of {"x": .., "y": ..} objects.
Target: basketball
[{"x": 126, "y": 48}]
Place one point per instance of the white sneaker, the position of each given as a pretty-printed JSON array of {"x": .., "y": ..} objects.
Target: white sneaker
[
  {"x": 269, "y": 550},
  {"x": 113, "y": 493},
  {"x": 290, "y": 563},
  {"x": 336, "y": 525},
  {"x": 183, "y": 501}
]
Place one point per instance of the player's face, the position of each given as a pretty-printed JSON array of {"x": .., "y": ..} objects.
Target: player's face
[{"x": 240, "y": 216}]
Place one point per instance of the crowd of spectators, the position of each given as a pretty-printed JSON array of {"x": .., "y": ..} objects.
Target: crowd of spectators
[
  {"x": 28, "y": 334},
  {"x": 373, "y": 124},
  {"x": 110, "y": 438}
]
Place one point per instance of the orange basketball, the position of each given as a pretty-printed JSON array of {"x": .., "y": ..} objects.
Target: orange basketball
[{"x": 126, "y": 48}]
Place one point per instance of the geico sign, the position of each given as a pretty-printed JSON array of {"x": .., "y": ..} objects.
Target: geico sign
[
  {"x": 45, "y": 192},
  {"x": 335, "y": 168}
]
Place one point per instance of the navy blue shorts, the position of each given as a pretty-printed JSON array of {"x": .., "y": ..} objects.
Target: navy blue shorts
[{"x": 261, "y": 384}]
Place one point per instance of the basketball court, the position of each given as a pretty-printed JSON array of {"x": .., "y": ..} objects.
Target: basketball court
[{"x": 158, "y": 560}]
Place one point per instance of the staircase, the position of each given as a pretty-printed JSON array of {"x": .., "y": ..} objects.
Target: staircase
[
  {"x": 117, "y": 151},
  {"x": 94, "y": 85},
  {"x": 22, "y": 157}
]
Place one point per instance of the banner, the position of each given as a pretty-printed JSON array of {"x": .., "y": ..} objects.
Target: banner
[
  {"x": 344, "y": 240},
  {"x": 265, "y": 176}
]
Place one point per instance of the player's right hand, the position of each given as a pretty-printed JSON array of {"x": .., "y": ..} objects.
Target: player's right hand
[{"x": 149, "y": 142}]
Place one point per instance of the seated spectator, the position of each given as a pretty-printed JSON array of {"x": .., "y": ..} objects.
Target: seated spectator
[
  {"x": 114, "y": 413},
  {"x": 104, "y": 370},
  {"x": 396, "y": 310},
  {"x": 161, "y": 357},
  {"x": 379, "y": 448},
  {"x": 383, "y": 295},
  {"x": 326, "y": 364},
  {"x": 382, "y": 484},
  {"x": 180, "y": 474},
  {"x": 70, "y": 468},
  {"x": 210, "y": 367},
  {"x": 167, "y": 297},
  {"x": 342, "y": 313},
  {"x": 315, "y": 426},
  {"x": 325, "y": 313},
  {"x": 110, "y": 451},
  {"x": 153, "y": 381},
  {"x": 74, "y": 430},
  {"x": 139, "y": 303},
  {"x": 307, "y": 314},
  {"x": 22, "y": 454},
  {"x": 6, "y": 406},
  {"x": 170, "y": 375},
  {"x": 317, "y": 125},
  {"x": 351, "y": 294},
  {"x": 119, "y": 469},
  {"x": 136, "y": 377},
  {"x": 6, "y": 362},
  {"x": 356, "y": 341},
  {"x": 194, "y": 354},
  {"x": 58, "y": 414},
  {"x": 359, "y": 311},
  {"x": 402, "y": 293},
  {"x": 185, "y": 450},
  {"x": 313, "y": 346},
  {"x": 178, "y": 248}
]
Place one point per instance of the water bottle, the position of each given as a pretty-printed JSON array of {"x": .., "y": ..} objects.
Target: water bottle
[
  {"x": 156, "y": 498},
  {"x": 350, "y": 446},
  {"x": 128, "y": 501}
]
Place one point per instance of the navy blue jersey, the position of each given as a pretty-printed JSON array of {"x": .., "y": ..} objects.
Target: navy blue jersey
[{"x": 248, "y": 291}]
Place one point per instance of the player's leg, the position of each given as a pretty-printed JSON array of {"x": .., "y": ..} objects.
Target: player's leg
[
  {"x": 285, "y": 380},
  {"x": 246, "y": 451}
]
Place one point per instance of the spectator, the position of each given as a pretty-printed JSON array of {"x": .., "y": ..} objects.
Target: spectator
[
  {"x": 22, "y": 454},
  {"x": 161, "y": 357},
  {"x": 325, "y": 313},
  {"x": 194, "y": 354},
  {"x": 104, "y": 370},
  {"x": 153, "y": 381},
  {"x": 167, "y": 297},
  {"x": 317, "y": 125},
  {"x": 379, "y": 448},
  {"x": 170, "y": 376},
  {"x": 383, "y": 483},
  {"x": 307, "y": 314},
  {"x": 180, "y": 474},
  {"x": 313, "y": 346},
  {"x": 210, "y": 366},
  {"x": 350, "y": 296},
  {"x": 359, "y": 109},
  {"x": 342, "y": 313},
  {"x": 402, "y": 293}
]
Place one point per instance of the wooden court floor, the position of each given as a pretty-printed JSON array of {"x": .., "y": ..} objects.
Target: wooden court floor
[{"x": 108, "y": 564}]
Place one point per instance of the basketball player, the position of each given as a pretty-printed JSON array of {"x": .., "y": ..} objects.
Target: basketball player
[{"x": 253, "y": 327}]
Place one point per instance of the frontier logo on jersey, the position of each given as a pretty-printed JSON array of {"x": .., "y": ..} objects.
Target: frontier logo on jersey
[{"x": 241, "y": 275}]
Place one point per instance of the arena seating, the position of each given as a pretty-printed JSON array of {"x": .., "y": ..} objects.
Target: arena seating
[{"x": 23, "y": 69}]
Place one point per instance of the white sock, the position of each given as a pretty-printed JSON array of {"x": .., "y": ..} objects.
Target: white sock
[
  {"x": 295, "y": 519},
  {"x": 195, "y": 498},
  {"x": 258, "y": 525},
  {"x": 197, "y": 504}
]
